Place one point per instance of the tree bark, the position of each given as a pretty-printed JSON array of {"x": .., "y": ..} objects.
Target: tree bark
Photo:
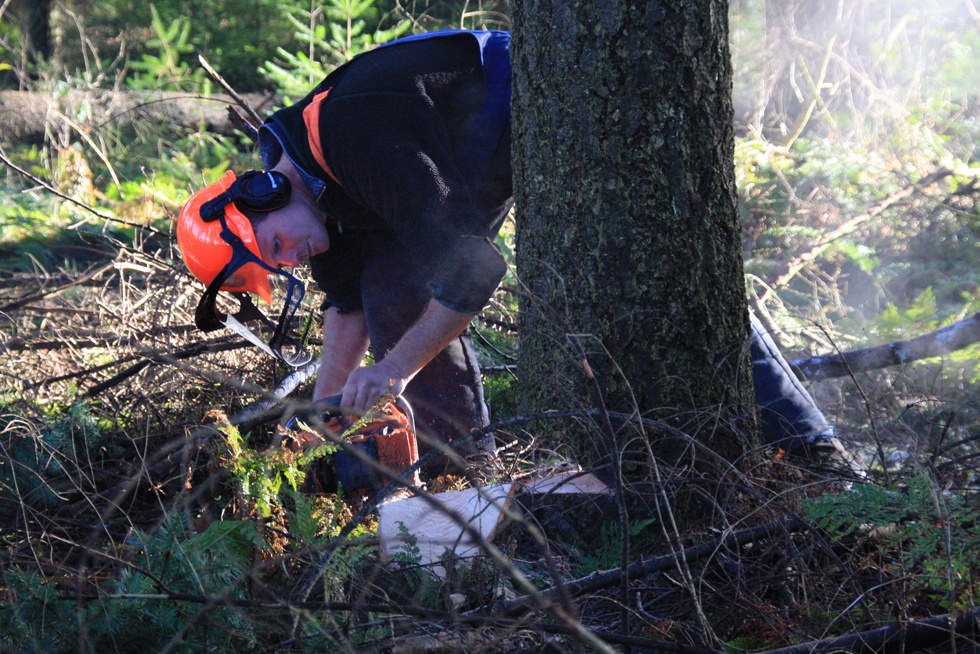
[
  {"x": 27, "y": 116},
  {"x": 627, "y": 226}
]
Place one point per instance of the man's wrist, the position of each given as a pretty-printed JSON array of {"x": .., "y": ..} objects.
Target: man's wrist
[{"x": 396, "y": 369}]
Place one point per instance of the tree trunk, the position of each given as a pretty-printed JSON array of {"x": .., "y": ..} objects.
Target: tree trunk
[{"x": 627, "y": 232}]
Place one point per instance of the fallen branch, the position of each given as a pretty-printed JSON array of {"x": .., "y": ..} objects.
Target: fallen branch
[
  {"x": 268, "y": 403},
  {"x": 86, "y": 338},
  {"x": 168, "y": 358},
  {"x": 236, "y": 119},
  {"x": 600, "y": 580},
  {"x": 25, "y": 113},
  {"x": 942, "y": 341},
  {"x": 94, "y": 271},
  {"x": 896, "y": 638}
]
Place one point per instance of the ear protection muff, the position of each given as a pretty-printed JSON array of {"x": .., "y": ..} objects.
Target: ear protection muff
[{"x": 257, "y": 190}]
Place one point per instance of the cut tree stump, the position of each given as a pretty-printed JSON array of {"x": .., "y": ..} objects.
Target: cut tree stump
[
  {"x": 567, "y": 482},
  {"x": 436, "y": 520}
]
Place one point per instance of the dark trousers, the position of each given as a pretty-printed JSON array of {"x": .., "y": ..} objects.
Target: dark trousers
[
  {"x": 447, "y": 395},
  {"x": 790, "y": 418}
]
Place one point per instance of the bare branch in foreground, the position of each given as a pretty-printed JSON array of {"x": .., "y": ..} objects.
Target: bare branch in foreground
[
  {"x": 896, "y": 637},
  {"x": 599, "y": 580}
]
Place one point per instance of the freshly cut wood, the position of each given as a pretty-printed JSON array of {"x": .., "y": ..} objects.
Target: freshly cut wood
[
  {"x": 437, "y": 523},
  {"x": 568, "y": 482},
  {"x": 942, "y": 341}
]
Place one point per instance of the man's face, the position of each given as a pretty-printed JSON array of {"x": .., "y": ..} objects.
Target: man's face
[{"x": 289, "y": 236}]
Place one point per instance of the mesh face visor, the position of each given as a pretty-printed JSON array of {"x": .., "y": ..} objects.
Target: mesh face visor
[
  {"x": 281, "y": 345},
  {"x": 208, "y": 317}
]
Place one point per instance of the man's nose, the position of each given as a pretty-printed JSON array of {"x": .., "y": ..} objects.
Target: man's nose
[{"x": 289, "y": 259}]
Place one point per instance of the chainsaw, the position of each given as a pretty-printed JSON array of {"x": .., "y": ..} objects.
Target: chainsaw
[{"x": 384, "y": 437}]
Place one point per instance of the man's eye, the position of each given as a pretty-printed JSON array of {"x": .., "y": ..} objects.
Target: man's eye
[{"x": 276, "y": 248}]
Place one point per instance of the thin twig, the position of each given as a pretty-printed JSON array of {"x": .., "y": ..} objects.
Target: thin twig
[
  {"x": 849, "y": 226},
  {"x": 252, "y": 113}
]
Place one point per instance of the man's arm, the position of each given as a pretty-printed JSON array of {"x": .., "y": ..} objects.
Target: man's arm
[
  {"x": 434, "y": 330},
  {"x": 345, "y": 342}
]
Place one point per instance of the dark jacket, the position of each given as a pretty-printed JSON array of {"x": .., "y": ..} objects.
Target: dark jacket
[{"x": 411, "y": 139}]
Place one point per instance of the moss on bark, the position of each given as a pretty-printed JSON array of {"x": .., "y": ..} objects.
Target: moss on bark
[{"x": 627, "y": 224}]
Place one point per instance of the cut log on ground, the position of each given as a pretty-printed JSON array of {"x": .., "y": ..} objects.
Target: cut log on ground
[
  {"x": 438, "y": 528},
  {"x": 942, "y": 341},
  {"x": 26, "y": 115}
]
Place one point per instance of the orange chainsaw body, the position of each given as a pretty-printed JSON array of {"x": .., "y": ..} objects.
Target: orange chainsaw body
[{"x": 387, "y": 436}]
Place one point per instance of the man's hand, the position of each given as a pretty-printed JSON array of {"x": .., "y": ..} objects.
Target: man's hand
[
  {"x": 365, "y": 385},
  {"x": 435, "y": 329}
]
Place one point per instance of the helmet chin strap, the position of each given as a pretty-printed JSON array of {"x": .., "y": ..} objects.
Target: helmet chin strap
[{"x": 208, "y": 317}]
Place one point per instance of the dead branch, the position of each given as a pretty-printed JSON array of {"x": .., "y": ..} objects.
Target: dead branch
[
  {"x": 247, "y": 128},
  {"x": 153, "y": 358},
  {"x": 93, "y": 272},
  {"x": 266, "y": 405},
  {"x": 242, "y": 102},
  {"x": 88, "y": 338},
  {"x": 896, "y": 637},
  {"x": 942, "y": 341},
  {"x": 600, "y": 580}
]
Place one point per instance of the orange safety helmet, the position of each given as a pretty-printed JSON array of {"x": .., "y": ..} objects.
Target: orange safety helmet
[
  {"x": 203, "y": 248},
  {"x": 218, "y": 245}
]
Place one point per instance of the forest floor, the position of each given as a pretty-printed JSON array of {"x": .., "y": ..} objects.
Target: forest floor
[{"x": 125, "y": 494}]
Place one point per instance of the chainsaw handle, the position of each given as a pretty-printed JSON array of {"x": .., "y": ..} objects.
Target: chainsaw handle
[
  {"x": 328, "y": 407},
  {"x": 406, "y": 408}
]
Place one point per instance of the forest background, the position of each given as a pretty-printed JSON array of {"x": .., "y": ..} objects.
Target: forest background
[{"x": 857, "y": 162}]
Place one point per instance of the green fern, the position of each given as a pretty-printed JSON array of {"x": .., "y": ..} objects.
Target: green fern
[
  {"x": 260, "y": 474},
  {"x": 407, "y": 552},
  {"x": 607, "y": 554},
  {"x": 934, "y": 533}
]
